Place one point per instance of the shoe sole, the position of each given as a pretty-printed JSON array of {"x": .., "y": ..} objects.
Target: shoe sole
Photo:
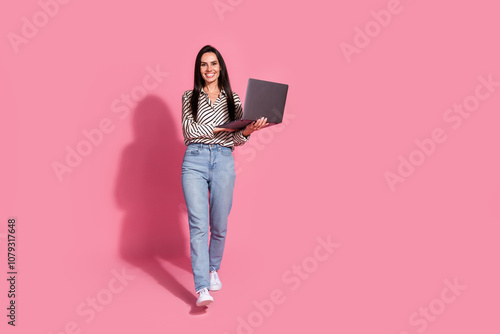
[
  {"x": 215, "y": 288},
  {"x": 204, "y": 303}
]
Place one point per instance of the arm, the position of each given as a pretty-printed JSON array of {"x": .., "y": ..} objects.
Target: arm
[
  {"x": 242, "y": 136},
  {"x": 190, "y": 128}
]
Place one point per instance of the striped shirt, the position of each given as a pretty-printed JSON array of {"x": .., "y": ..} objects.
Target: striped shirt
[{"x": 210, "y": 115}]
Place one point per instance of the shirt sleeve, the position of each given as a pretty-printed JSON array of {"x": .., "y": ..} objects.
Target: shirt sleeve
[
  {"x": 238, "y": 137},
  {"x": 190, "y": 128}
]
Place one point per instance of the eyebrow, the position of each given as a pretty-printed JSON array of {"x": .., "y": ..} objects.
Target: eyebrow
[{"x": 204, "y": 62}]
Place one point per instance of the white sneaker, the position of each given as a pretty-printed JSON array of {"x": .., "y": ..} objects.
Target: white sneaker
[
  {"x": 215, "y": 283},
  {"x": 204, "y": 298}
]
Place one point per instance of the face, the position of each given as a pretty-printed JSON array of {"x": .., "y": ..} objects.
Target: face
[{"x": 210, "y": 68}]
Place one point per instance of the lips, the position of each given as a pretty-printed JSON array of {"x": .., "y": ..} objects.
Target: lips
[{"x": 211, "y": 75}]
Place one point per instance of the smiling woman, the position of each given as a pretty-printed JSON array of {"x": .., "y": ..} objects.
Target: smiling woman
[{"x": 208, "y": 165}]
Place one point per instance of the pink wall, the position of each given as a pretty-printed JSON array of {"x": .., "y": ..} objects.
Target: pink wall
[{"x": 373, "y": 209}]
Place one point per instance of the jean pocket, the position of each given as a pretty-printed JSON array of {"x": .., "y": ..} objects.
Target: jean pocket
[
  {"x": 226, "y": 151},
  {"x": 193, "y": 151}
]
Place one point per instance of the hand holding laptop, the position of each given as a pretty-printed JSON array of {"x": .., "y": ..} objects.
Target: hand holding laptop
[{"x": 254, "y": 126}]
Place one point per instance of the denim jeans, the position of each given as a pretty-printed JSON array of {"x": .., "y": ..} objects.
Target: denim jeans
[{"x": 207, "y": 183}]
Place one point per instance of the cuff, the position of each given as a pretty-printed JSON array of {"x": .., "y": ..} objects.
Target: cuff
[{"x": 239, "y": 138}]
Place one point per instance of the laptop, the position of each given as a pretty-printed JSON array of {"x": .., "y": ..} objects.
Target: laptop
[{"x": 262, "y": 99}]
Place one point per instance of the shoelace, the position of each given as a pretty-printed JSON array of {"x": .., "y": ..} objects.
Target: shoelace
[{"x": 215, "y": 276}]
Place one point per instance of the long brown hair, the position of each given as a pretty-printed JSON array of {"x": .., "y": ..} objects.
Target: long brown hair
[{"x": 223, "y": 82}]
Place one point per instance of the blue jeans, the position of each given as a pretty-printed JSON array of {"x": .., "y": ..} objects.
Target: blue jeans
[{"x": 207, "y": 183}]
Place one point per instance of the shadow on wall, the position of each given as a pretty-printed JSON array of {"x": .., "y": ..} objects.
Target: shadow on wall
[{"x": 149, "y": 190}]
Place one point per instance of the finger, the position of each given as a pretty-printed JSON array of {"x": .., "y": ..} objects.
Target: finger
[{"x": 263, "y": 122}]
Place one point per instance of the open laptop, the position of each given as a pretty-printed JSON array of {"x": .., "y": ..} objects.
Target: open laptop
[{"x": 262, "y": 99}]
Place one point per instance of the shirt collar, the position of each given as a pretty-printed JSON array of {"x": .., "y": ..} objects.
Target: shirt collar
[{"x": 223, "y": 92}]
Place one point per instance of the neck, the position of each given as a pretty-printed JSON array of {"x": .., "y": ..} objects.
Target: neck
[{"x": 212, "y": 87}]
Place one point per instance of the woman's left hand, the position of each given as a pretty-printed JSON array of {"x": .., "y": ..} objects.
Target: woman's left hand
[{"x": 254, "y": 126}]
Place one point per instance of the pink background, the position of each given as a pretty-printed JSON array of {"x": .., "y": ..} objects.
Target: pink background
[{"x": 321, "y": 174}]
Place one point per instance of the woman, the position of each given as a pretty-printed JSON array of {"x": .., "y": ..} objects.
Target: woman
[{"x": 208, "y": 165}]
